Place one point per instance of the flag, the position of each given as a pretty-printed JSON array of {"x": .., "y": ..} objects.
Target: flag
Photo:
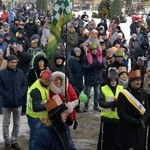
[{"x": 61, "y": 15}]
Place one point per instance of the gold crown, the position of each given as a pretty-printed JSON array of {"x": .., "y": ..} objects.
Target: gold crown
[
  {"x": 134, "y": 74},
  {"x": 53, "y": 103}
]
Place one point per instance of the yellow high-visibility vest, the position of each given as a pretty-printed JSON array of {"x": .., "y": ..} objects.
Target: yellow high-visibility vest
[
  {"x": 44, "y": 95},
  {"x": 109, "y": 96}
]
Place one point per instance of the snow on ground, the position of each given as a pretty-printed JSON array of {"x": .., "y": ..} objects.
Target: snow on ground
[
  {"x": 24, "y": 129},
  {"x": 124, "y": 26}
]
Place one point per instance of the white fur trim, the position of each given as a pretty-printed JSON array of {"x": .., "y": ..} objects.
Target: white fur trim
[{"x": 61, "y": 89}]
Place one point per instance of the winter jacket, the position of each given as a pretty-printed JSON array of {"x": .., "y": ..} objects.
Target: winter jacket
[
  {"x": 61, "y": 67},
  {"x": 131, "y": 133},
  {"x": 35, "y": 71},
  {"x": 133, "y": 45},
  {"x": 75, "y": 66},
  {"x": 3, "y": 46},
  {"x": 31, "y": 29},
  {"x": 72, "y": 40},
  {"x": 70, "y": 96},
  {"x": 92, "y": 72},
  {"x": 45, "y": 35},
  {"x": 55, "y": 66},
  {"x": 13, "y": 87},
  {"x": 48, "y": 138},
  {"x": 70, "y": 92}
]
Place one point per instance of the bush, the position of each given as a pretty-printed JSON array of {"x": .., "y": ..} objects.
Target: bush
[
  {"x": 104, "y": 11},
  {"x": 95, "y": 15},
  {"x": 101, "y": 13},
  {"x": 123, "y": 19}
]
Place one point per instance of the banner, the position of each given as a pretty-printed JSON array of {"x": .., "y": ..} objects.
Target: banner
[{"x": 61, "y": 15}]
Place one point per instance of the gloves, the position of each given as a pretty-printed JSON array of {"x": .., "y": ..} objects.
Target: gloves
[{"x": 72, "y": 105}]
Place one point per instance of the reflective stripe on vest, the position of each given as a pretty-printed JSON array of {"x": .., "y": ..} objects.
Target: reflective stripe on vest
[
  {"x": 44, "y": 95},
  {"x": 109, "y": 96}
]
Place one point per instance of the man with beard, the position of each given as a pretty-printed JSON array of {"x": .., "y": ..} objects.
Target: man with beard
[{"x": 133, "y": 111}]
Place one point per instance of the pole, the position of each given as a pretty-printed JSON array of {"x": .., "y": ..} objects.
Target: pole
[
  {"x": 102, "y": 136},
  {"x": 12, "y": 4}
]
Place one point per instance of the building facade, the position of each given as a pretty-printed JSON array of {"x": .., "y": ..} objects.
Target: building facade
[{"x": 86, "y": 4}]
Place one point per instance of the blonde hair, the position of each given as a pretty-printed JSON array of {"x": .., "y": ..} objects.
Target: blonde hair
[{"x": 46, "y": 121}]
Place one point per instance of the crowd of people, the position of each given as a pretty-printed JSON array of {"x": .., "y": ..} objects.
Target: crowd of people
[{"x": 46, "y": 88}]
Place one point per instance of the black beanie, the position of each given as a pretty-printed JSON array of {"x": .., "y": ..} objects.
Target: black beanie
[{"x": 11, "y": 57}]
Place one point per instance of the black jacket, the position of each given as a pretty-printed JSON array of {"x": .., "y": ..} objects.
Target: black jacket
[
  {"x": 131, "y": 132},
  {"x": 13, "y": 86}
]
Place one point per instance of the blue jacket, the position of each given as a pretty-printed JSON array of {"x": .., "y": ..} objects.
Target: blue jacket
[
  {"x": 93, "y": 72},
  {"x": 48, "y": 138},
  {"x": 13, "y": 86},
  {"x": 75, "y": 67}
]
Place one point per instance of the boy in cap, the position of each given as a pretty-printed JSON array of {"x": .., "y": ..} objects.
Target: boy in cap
[
  {"x": 133, "y": 111},
  {"x": 13, "y": 87},
  {"x": 37, "y": 94}
]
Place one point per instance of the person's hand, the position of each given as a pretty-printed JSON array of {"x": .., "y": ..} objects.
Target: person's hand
[{"x": 72, "y": 105}]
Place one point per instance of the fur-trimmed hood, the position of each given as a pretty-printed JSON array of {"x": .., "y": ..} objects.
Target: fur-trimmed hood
[{"x": 61, "y": 89}]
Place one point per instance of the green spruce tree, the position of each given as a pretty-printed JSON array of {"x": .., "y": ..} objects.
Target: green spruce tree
[
  {"x": 41, "y": 4},
  {"x": 115, "y": 9},
  {"x": 104, "y": 8}
]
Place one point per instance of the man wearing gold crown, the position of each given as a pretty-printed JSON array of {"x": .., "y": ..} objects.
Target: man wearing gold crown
[{"x": 133, "y": 111}]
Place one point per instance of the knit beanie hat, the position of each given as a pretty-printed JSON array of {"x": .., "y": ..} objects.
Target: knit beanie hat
[
  {"x": 112, "y": 73},
  {"x": 46, "y": 74},
  {"x": 77, "y": 49},
  {"x": 93, "y": 44},
  {"x": 119, "y": 53},
  {"x": 11, "y": 57}
]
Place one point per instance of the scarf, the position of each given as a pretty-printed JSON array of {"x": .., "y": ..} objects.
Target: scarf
[
  {"x": 134, "y": 101},
  {"x": 90, "y": 57}
]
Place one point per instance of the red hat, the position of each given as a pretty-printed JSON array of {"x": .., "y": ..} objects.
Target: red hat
[{"x": 46, "y": 74}]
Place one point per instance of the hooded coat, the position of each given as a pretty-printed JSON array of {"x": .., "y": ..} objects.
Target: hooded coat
[
  {"x": 75, "y": 66},
  {"x": 70, "y": 92},
  {"x": 35, "y": 71}
]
